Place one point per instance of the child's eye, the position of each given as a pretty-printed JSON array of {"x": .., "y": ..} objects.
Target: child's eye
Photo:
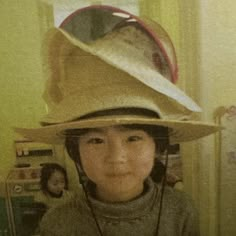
[
  {"x": 134, "y": 138},
  {"x": 95, "y": 141}
]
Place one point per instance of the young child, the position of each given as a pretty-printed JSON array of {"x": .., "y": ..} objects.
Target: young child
[
  {"x": 114, "y": 107},
  {"x": 54, "y": 186}
]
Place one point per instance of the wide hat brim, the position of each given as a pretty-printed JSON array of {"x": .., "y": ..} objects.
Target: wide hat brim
[{"x": 179, "y": 131}]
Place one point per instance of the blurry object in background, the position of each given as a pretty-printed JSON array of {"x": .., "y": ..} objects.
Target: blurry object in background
[
  {"x": 62, "y": 9},
  {"x": 226, "y": 172},
  {"x": 53, "y": 186},
  {"x": 33, "y": 154},
  {"x": 32, "y": 215},
  {"x": 95, "y": 22},
  {"x": 174, "y": 170},
  {"x": 4, "y": 214},
  {"x": 22, "y": 184},
  {"x": 158, "y": 171},
  {"x": 174, "y": 176}
]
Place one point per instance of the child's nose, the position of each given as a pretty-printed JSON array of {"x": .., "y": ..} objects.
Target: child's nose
[{"x": 116, "y": 151}]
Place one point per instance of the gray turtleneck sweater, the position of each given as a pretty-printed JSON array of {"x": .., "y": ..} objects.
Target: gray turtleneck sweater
[{"x": 134, "y": 218}]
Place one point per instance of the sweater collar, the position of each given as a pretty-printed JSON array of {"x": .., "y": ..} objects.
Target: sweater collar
[{"x": 131, "y": 209}]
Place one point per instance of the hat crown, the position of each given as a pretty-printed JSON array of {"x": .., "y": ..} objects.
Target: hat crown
[{"x": 118, "y": 70}]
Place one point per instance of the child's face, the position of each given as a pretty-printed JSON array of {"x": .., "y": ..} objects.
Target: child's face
[
  {"x": 56, "y": 182},
  {"x": 117, "y": 160}
]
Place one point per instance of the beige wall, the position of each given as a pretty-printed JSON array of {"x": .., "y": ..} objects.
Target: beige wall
[
  {"x": 217, "y": 69},
  {"x": 22, "y": 25}
]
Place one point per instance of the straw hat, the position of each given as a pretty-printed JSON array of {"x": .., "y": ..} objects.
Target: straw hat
[{"x": 114, "y": 72}]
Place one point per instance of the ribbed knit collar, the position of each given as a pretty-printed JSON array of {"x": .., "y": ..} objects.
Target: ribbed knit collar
[{"x": 131, "y": 209}]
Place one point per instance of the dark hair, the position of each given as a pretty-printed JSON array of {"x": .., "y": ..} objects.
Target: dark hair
[
  {"x": 158, "y": 171},
  {"x": 47, "y": 170}
]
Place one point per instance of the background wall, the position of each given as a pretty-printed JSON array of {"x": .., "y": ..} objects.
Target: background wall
[
  {"x": 204, "y": 36},
  {"x": 217, "y": 69},
  {"x": 23, "y": 24}
]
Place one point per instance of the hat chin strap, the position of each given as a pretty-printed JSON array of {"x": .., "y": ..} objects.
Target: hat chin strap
[
  {"x": 163, "y": 184},
  {"x": 82, "y": 182}
]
